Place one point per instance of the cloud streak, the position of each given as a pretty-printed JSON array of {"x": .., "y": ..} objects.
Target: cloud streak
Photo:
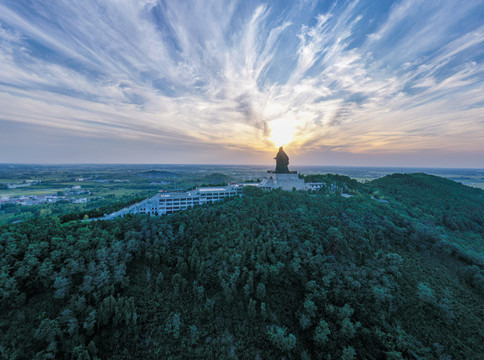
[{"x": 351, "y": 77}]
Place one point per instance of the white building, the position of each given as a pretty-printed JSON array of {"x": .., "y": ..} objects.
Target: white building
[
  {"x": 314, "y": 186},
  {"x": 170, "y": 202}
]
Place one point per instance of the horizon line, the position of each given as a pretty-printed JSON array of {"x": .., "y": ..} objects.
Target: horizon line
[{"x": 225, "y": 164}]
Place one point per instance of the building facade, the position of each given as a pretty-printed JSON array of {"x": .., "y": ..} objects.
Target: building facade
[{"x": 170, "y": 202}]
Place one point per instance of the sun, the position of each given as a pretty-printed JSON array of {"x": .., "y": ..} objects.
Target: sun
[{"x": 282, "y": 132}]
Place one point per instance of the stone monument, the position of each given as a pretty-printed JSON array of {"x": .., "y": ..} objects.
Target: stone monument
[{"x": 282, "y": 177}]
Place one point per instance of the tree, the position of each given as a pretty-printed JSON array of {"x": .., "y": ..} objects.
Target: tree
[
  {"x": 304, "y": 321},
  {"x": 277, "y": 335},
  {"x": 159, "y": 281},
  {"x": 61, "y": 284},
  {"x": 90, "y": 322},
  {"x": 193, "y": 334},
  {"x": 263, "y": 310},
  {"x": 173, "y": 325},
  {"x": 80, "y": 353},
  {"x": 251, "y": 308},
  {"x": 321, "y": 333},
  {"x": 348, "y": 353},
  {"x": 426, "y": 294},
  {"x": 348, "y": 328},
  {"x": 310, "y": 307},
  {"x": 261, "y": 291},
  {"x": 47, "y": 330}
]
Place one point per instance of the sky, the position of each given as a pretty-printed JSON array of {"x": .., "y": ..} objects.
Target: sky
[{"x": 353, "y": 83}]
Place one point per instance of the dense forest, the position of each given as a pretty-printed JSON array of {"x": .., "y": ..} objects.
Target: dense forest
[{"x": 395, "y": 271}]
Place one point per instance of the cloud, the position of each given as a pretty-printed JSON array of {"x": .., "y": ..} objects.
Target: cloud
[{"x": 226, "y": 72}]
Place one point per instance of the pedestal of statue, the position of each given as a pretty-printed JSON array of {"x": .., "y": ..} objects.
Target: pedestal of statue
[{"x": 285, "y": 181}]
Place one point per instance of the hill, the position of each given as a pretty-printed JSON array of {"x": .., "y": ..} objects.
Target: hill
[
  {"x": 270, "y": 275},
  {"x": 450, "y": 212},
  {"x": 214, "y": 178},
  {"x": 155, "y": 174}
]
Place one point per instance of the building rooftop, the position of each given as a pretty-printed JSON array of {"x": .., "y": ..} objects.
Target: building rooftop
[
  {"x": 163, "y": 195},
  {"x": 204, "y": 189}
]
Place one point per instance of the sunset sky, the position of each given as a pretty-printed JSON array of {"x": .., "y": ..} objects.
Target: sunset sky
[{"x": 383, "y": 83}]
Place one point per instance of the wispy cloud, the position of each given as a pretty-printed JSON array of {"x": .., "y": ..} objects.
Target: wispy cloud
[{"x": 351, "y": 77}]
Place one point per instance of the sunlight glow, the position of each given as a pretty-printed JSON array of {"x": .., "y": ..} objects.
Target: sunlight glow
[
  {"x": 233, "y": 83},
  {"x": 282, "y": 132}
]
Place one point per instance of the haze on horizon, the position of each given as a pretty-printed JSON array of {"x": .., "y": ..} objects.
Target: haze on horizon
[{"x": 362, "y": 83}]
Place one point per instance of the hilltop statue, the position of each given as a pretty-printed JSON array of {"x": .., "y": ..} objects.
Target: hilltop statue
[{"x": 282, "y": 161}]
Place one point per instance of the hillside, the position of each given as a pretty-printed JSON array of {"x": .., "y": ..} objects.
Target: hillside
[
  {"x": 154, "y": 174},
  {"x": 449, "y": 211},
  {"x": 270, "y": 275}
]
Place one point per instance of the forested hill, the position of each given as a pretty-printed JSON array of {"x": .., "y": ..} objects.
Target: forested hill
[
  {"x": 454, "y": 205},
  {"x": 393, "y": 272},
  {"x": 448, "y": 211}
]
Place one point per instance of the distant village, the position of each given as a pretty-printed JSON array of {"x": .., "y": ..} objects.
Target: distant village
[{"x": 67, "y": 195}]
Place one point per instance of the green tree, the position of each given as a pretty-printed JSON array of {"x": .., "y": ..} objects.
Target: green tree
[
  {"x": 277, "y": 336},
  {"x": 193, "y": 334},
  {"x": 159, "y": 281},
  {"x": 348, "y": 328},
  {"x": 61, "y": 284},
  {"x": 426, "y": 294},
  {"x": 251, "y": 309},
  {"x": 173, "y": 325},
  {"x": 310, "y": 307},
  {"x": 261, "y": 291},
  {"x": 348, "y": 353},
  {"x": 321, "y": 333}
]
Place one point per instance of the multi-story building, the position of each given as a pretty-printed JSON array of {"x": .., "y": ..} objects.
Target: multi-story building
[{"x": 170, "y": 202}]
